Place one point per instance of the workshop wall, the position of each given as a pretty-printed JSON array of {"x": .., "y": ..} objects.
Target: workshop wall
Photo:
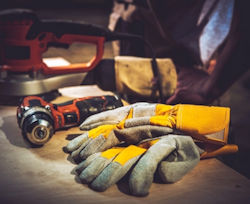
[{"x": 56, "y": 4}]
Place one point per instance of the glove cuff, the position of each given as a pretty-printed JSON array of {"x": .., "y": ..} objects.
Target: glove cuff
[{"x": 206, "y": 123}]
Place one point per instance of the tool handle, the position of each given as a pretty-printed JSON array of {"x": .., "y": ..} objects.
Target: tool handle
[
  {"x": 78, "y": 67},
  {"x": 68, "y": 32},
  {"x": 76, "y": 111},
  {"x": 62, "y": 27},
  {"x": 96, "y": 105}
]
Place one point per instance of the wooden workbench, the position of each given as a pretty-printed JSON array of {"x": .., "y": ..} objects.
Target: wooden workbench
[{"x": 45, "y": 175}]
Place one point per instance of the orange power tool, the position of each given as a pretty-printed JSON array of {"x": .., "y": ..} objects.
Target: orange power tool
[
  {"x": 39, "y": 119},
  {"x": 24, "y": 38}
]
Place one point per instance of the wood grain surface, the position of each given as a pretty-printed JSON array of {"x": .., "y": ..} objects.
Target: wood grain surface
[{"x": 46, "y": 175}]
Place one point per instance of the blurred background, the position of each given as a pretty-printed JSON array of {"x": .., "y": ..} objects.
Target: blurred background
[
  {"x": 97, "y": 12},
  {"x": 56, "y": 3}
]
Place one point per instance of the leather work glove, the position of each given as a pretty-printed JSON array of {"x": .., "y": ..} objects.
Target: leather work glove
[
  {"x": 131, "y": 124},
  {"x": 173, "y": 155},
  {"x": 106, "y": 131}
]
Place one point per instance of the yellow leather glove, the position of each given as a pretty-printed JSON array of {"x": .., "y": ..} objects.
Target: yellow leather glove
[
  {"x": 195, "y": 119},
  {"x": 105, "y": 133},
  {"x": 131, "y": 124}
]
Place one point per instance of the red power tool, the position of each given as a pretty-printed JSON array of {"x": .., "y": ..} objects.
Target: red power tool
[
  {"x": 23, "y": 40},
  {"x": 39, "y": 119}
]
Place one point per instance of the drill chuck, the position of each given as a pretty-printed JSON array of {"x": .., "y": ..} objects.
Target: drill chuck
[{"x": 37, "y": 125}]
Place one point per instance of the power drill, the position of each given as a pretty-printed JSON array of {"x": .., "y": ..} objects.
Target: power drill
[{"x": 39, "y": 119}]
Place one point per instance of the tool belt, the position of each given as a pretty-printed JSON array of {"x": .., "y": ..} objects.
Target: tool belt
[{"x": 134, "y": 77}]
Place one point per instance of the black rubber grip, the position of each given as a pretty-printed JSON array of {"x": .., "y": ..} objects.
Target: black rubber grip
[
  {"x": 19, "y": 14},
  {"x": 59, "y": 28},
  {"x": 95, "y": 105}
]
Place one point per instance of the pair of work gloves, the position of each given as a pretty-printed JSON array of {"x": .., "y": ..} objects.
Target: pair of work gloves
[{"x": 146, "y": 139}]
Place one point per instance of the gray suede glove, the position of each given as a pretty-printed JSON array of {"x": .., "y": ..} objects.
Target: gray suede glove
[
  {"x": 117, "y": 115},
  {"x": 129, "y": 124},
  {"x": 173, "y": 155}
]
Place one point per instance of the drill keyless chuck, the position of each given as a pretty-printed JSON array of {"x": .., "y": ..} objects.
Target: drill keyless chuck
[
  {"x": 37, "y": 125},
  {"x": 39, "y": 132}
]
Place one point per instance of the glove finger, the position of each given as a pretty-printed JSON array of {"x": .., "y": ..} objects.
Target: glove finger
[
  {"x": 94, "y": 165},
  {"x": 118, "y": 168},
  {"x": 133, "y": 135},
  {"x": 132, "y": 122},
  {"x": 99, "y": 144},
  {"x": 75, "y": 155},
  {"x": 142, "y": 175},
  {"x": 80, "y": 167},
  {"x": 183, "y": 160},
  {"x": 76, "y": 142},
  {"x": 108, "y": 117}
]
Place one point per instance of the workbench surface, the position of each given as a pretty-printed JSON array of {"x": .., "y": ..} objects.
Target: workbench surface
[{"x": 46, "y": 175}]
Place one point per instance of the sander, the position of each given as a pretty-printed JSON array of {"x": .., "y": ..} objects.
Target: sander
[{"x": 23, "y": 40}]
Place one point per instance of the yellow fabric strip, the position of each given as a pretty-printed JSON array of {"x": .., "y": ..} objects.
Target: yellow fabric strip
[
  {"x": 166, "y": 121},
  {"x": 110, "y": 153},
  {"x": 165, "y": 115},
  {"x": 162, "y": 109},
  {"x": 103, "y": 129},
  {"x": 106, "y": 129},
  {"x": 122, "y": 123},
  {"x": 129, "y": 153}
]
